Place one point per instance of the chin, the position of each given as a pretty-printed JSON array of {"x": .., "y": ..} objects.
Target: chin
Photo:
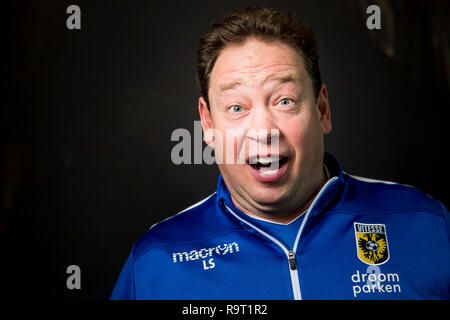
[{"x": 269, "y": 196}]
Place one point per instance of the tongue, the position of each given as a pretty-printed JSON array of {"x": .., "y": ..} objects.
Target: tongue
[{"x": 271, "y": 167}]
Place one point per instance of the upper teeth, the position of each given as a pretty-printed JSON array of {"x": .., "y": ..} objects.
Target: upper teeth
[{"x": 266, "y": 160}]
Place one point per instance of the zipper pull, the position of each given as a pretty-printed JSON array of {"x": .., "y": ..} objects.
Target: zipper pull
[{"x": 292, "y": 261}]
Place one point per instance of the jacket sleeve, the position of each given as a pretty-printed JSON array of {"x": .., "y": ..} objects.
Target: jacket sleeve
[
  {"x": 446, "y": 218},
  {"x": 124, "y": 288}
]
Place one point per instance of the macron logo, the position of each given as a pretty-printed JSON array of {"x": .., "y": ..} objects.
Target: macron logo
[{"x": 205, "y": 252}]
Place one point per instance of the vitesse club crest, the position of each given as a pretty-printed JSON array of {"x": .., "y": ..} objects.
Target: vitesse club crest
[{"x": 371, "y": 243}]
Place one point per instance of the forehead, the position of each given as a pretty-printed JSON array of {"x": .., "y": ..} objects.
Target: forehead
[{"x": 255, "y": 62}]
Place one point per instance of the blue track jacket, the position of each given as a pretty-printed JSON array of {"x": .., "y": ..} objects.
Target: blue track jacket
[{"x": 360, "y": 239}]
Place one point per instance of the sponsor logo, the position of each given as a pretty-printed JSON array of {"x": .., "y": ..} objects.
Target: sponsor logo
[
  {"x": 204, "y": 253},
  {"x": 371, "y": 243},
  {"x": 375, "y": 281}
]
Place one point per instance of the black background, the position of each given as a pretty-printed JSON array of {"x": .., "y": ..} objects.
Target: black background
[{"x": 88, "y": 114}]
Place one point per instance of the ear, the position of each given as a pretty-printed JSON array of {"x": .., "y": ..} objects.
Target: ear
[
  {"x": 206, "y": 120},
  {"x": 323, "y": 109}
]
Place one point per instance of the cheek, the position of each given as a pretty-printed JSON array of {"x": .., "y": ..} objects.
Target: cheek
[
  {"x": 303, "y": 135},
  {"x": 296, "y": 132},
  {"x": 229, "y": 146}
]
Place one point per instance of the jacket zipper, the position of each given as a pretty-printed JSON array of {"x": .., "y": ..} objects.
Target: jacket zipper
[
  {"x": 290, "y": 254},
  {"x": 292, "y": 261}
]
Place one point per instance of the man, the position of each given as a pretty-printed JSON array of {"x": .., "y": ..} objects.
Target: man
[{"x": 285, "y": 222}]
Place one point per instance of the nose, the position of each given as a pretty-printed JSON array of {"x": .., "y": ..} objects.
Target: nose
[{"x": 263, "y": 128}]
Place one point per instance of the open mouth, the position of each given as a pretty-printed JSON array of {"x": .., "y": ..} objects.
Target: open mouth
[{"x": 268, "y": 168}]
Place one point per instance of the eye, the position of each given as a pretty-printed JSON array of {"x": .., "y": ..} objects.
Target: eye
[
  {"x": 236, "y": 108},
  {"x": 285, "y": 101}
]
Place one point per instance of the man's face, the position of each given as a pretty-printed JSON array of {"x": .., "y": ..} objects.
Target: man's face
[{"x": 262, "y": 102}]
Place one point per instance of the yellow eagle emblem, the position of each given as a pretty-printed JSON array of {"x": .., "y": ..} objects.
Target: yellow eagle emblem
[{"x": 371, "y": 243}]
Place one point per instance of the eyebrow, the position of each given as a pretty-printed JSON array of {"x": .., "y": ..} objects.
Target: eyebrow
[
  {"x": 283, "y": 78},
  {"x": 280, "y": 78},
  {"x": 230, "y": 85}
]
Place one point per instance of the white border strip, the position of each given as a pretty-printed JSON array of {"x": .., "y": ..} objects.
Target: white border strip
[{"x": 191, "y": 207}]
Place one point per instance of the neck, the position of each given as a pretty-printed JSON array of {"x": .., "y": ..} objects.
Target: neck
[{"x": 290, "y": 215}]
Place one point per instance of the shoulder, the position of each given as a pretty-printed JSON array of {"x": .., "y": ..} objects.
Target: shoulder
[
  {"x": 195, "y": 223},
  {"x": 374, "y": 195}
]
